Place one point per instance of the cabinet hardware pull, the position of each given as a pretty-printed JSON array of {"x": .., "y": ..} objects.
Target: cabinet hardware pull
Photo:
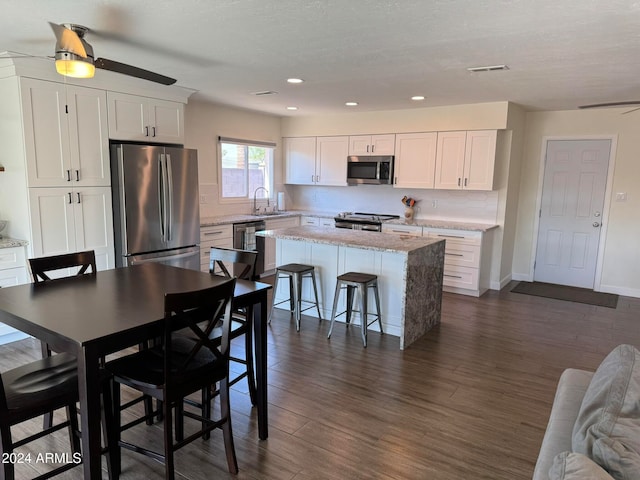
[
  {"x": 450, "y": 236},
  {"x": 452, "y": 276},
  {"x": 69, "y": 197},
  {"x": 68, "y": 175},
  {"x": 146, "y": 131},
  {"x": 313, "y": 178},
  {"x": 207, "y": 234},
  {"x": 458, "y": 181},
  {"x": 77, "y": 175},
  {"x": 78, "y": 194},
  {"x": 367, "y": 148},
  {"x": 154, "y": 131},
  {"x": 465, "y": 181},
  {"x": 454, "y": 254},
  {"x": 372, "y": 148}
]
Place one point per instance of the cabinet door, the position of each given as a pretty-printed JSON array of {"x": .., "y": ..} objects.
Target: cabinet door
[
  {"x": 450, "y": 160},
  {"x": 300, "y": 159},
  {"x": 360, "y": 145},
  {"x": 383, "y": 144},
  {"x": 52, "y": 221},
  {"x": 128, "y": 117},
  {"x": 89, "y": 137},
  {"x": 331, "y": 160},
  {"x": 46, "y": 132},
  {"x": 93, "y": 220},
  {"x": 480, "y": 158},
  {"x": 415, "y": 160},
  {"x": 166, "y": 121}
]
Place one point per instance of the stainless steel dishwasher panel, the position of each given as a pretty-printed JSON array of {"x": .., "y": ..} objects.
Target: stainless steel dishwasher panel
[{"x": 244, "y": 238}]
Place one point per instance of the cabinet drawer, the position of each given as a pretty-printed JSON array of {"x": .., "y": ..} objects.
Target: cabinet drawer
[
  {"x": 215, "y": 232},
  {"x": 13, "y": 276},
  {"x": 313, "y": 221},
  {"x": 12, "y": 257},
  {"x": 456, "y": 253},
  {"x": 282, "y": 223},
  {"x": 459, "y": 236},
  {"x": 414, "y": 230},
  {"x": 461, "y": 277}
]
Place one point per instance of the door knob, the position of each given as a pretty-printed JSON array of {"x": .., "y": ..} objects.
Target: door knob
[{"x": 596, "y": 224}]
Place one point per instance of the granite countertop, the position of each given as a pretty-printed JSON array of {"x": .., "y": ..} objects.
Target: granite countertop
[
  {"x": 445, "y": 224},
  {"x": 243, "y": 218},
  {"x": 12, "y": 242},
  {"x": 352, "y": 238}
]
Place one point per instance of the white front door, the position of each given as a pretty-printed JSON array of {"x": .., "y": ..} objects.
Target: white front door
[{"x": 573, "y": 192}]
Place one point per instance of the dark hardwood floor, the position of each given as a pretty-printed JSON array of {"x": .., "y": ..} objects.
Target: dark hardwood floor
[{"x": 470, "y": 400}]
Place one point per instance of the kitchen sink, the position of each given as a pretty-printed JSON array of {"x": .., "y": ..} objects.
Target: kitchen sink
[{"x": 270, "y": 214}]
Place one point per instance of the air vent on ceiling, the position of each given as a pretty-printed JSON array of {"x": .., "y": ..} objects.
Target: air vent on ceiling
[
  {"x": 265, "y": 92},
  {"x": 489, "y": 68}
]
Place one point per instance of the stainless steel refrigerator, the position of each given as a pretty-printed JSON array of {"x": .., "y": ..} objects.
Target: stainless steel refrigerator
[{"x": 155, "y": 205}]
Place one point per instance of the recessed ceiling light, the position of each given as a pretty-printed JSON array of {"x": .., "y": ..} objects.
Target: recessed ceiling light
[
  {"x": 417, "y": 98},
  {"x": 295, "y": 80},
  {"x": 351, "y": 104},
  {"x": 488, "y": 68},
  {"x": 292, "y": 108}
]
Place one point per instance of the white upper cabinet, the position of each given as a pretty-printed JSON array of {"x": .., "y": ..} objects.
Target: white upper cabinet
[
  {"x": 372, "y": 144},
  {"x": 66, "y": 134},
  {"x": 465, "y": 160},
  {"x": 316, "y": 160},
  {"x": 415, "y": 160},
  {"x": 300, "y": 158},
  {"x": 145, "y": 119}
]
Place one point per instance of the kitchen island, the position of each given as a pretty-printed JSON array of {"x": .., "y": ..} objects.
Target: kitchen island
[{"x": 410, "y": 271}]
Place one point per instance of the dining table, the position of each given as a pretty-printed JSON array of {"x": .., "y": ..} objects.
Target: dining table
[{"x": 95, "y": 315}]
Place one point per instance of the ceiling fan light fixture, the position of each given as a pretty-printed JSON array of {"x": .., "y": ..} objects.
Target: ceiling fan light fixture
[{"x": 72, "y": 65}]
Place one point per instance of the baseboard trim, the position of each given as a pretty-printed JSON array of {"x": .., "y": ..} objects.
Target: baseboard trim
[{"x": 626, "y": 292}]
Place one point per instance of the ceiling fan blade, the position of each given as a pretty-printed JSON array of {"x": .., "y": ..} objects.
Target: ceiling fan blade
[
  {"x": 67, "y": 40},
  {"x": 132, "y": 71},
  {"x": 611, "y": 104}
]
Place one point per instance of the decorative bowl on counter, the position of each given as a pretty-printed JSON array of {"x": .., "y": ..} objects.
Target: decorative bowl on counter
[{"x": 3, "y": 224}]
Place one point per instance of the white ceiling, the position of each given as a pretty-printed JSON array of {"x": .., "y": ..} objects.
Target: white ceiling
[{"x": 560, "y": 53}]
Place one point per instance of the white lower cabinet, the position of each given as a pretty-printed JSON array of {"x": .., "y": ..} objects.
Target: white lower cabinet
[
  {"x": 13, "y": 271},
  {"x": 214, "y": 236},
  {"x": 414, "y": 230},
  {"x": 318, "y": 221},
  {"x": 65, "y": 220},
  {"x": 270, "y": 243}
]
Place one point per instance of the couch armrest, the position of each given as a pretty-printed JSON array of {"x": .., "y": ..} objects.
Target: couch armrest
[{"x": 572, "y": 386}]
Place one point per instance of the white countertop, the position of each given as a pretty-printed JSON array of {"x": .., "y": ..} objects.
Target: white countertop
[
  {"x": 12, "y": 242},
  {"x": 445, "y": 224},
  {"x": 352, "y": 238}
]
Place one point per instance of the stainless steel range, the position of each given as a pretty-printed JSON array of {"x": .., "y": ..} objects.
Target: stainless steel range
[{"x": 362, "y": 221}]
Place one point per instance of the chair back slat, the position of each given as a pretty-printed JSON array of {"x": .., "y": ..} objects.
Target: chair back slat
[
  {"x": 200, "y": 311},
  {"x": 243, "y": 261},
  {"x": 41, "y": 266}
]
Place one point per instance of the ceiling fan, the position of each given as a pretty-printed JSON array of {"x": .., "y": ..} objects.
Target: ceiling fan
[
  {"x": 614, "y": 104},
  {"x": 74, "y": 56}
]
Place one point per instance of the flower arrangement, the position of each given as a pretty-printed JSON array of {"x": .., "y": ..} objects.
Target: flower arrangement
[{"x": 408, "y": 201}]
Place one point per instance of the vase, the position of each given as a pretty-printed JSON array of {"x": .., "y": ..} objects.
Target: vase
[{"x": 408, "y": 215}]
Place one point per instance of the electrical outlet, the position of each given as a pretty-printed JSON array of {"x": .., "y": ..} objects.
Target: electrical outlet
[
  {"x": 621, "y": 197},
  {"x": 434, "y": 204},
  {"x": 203, "y": 199}
]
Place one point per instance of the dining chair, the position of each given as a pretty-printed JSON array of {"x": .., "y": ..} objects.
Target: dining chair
[
  {"x": 179, "y": 366},
  {"x": 42, "y": 268},
  {"x": 36, "y": 388}
]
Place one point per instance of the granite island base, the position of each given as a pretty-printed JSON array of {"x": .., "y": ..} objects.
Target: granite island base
[{"x": 410, "y": 272}]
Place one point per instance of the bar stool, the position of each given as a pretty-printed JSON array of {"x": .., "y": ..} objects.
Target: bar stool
[
  {"x": 295, "y": 272},
  {"x": 360, "y": 282}
]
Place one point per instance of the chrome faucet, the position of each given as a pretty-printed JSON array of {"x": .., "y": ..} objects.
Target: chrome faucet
[{"x": 255, "y": 209}]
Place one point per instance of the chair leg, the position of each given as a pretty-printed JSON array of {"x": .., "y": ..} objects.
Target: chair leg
[
  {"x": 315, "y": 292},
  {"x": 179, "y": 414},
  {"x": 349, "y": 305},
  {"x": 227, "y": 431},
  {"x": 275, "y": 292},
  {"x": 297, "y": 300},
  {"x": 362, "y": 292},
  {"x": 47, "y": 421},
  {"x": 169, "y": 466},
  {"x": 74, "y": 437},
  {"x": 109, "y": 428},
  {"x": 248, "y": 348},
  {"x": 291, "y": 297},
  {"x": 377, "y": 297},
  {"x": 336, "y": 296},
  {"x": 206, "y": 409},
  {"x": 6, "y": 447}
]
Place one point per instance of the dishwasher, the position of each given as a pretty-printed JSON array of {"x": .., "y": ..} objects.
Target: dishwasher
[{"x": 244, "y": 238}]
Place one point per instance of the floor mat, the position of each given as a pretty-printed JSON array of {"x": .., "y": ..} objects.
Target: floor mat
[{"x": 570, "y": 294}]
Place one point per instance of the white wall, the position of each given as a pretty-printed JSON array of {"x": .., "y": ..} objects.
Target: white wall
[
  {"x": 621, "y": 223},
  {"x": 204, "y": 123}
]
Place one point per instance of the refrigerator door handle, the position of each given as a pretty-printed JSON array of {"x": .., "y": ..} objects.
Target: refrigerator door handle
[
  {"x": 169, "y": 203},
  {"x": 161, "y": 199}
]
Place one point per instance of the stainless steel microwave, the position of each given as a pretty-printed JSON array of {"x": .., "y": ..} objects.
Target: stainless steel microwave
[{"x": 371, "y": 170}]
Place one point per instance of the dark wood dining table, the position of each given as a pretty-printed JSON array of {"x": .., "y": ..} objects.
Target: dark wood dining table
[{"x": 92, "y": 316}]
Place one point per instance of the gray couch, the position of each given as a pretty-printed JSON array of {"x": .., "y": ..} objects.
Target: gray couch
[{"x": 566, "y": 405}]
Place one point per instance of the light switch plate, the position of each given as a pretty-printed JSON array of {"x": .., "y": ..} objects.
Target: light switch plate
[{"x": 621, "y": 197}]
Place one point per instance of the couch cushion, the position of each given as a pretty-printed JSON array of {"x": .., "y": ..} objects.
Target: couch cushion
[
  {"x": 611, "y": 410},
  {"x": 575, "y": 466}
]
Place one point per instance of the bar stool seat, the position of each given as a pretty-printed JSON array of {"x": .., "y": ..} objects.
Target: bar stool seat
[
  {"x": 296, "y": 272},
  {"x": 357, "y": 282}
]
